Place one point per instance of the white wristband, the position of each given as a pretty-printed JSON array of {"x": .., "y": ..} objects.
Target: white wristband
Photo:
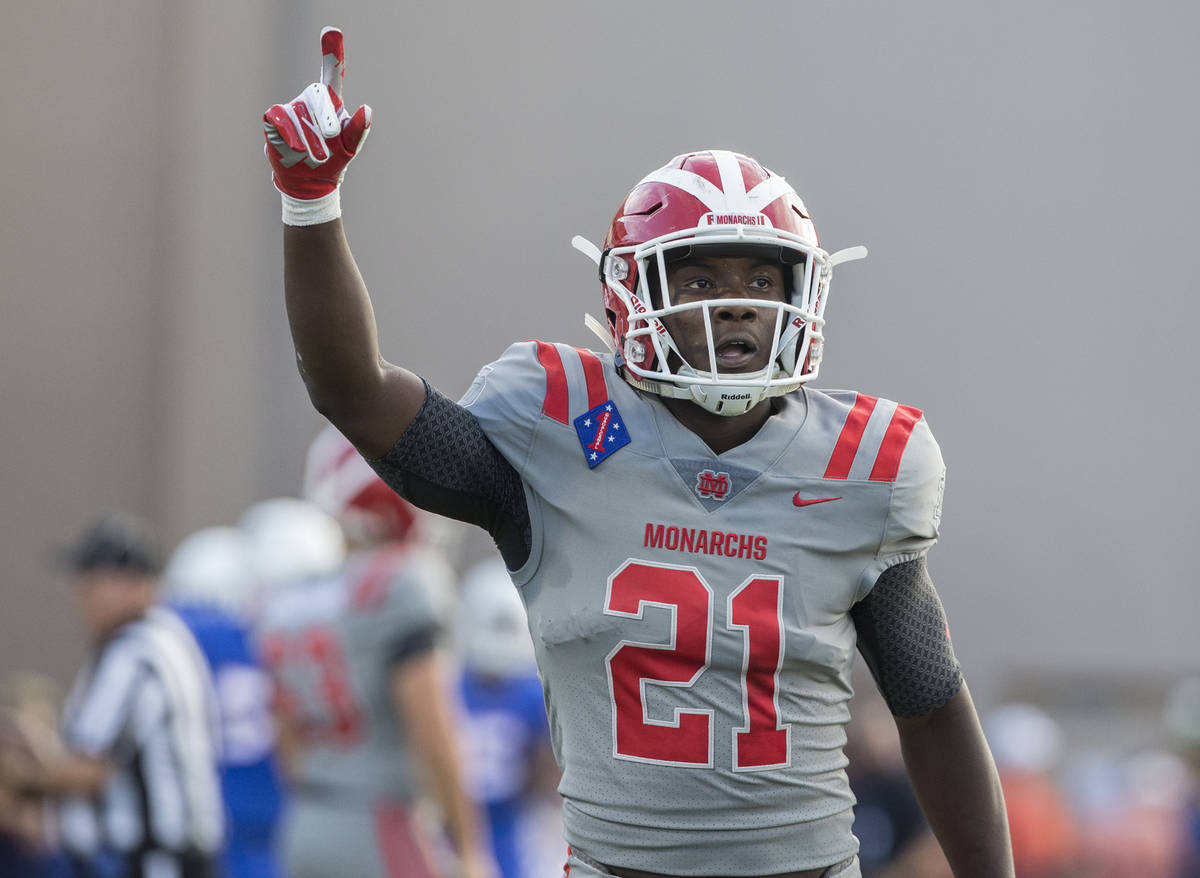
[{"x": 298, "y": 212}]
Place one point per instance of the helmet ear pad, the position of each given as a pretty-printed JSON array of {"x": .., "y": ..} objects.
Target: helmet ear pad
[{"x": 618, "y": 312}]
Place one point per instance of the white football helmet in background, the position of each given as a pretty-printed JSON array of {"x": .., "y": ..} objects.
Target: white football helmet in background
[
  {"x": 491, "y": 628},
  {"x": 291, "y": 539},
  {"x": 213, "y": 567}
]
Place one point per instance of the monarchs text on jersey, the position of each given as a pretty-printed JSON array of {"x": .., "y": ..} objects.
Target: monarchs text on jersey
[{"x": 690, "y": 610}]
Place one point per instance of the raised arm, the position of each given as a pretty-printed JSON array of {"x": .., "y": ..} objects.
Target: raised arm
[
  {"x": 370, "y": 400},
  {"x": 310, "y": 141}
]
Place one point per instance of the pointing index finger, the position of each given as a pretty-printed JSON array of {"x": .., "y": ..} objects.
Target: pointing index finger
[{"x": 333, "y": 60}]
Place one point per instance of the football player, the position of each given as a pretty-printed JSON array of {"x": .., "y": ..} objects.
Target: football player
[
  {"x": 205, "y": 582},
  {"x": 136, "y": 786},
  {"x": 697, "y": 600},
  {"x": 365, "y": 721},
  {"x": 506, "y": 740}
]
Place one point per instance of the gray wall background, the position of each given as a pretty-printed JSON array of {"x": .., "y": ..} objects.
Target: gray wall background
[{"x": 1024, "y": 174}]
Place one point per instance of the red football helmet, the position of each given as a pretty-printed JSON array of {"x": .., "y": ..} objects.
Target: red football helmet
[
  {"x": 713, "y": 198},
  {"x": 340, "y": 482}
]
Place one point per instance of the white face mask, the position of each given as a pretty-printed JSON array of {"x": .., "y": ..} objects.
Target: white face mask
[{"x": 647, "y": 344}]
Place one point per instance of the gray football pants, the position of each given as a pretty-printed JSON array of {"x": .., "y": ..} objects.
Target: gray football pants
[
  {"x": 331, "y": 836},
  {"x": 578, "y": 866}
]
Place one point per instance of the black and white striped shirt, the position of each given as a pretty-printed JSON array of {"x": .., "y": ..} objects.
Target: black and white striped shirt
[{"x": 145, "y": 704}]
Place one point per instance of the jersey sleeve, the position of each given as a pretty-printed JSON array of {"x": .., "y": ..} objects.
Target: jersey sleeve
[
  {"x": 905, "y": 640},
  {"x": 445, "y": 463},
  {"x": 507, "y": 398},
  {"x": 915, "y": 511}
]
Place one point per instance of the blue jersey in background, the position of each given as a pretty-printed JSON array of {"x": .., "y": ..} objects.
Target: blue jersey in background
[{"x": 250, "y": 781}]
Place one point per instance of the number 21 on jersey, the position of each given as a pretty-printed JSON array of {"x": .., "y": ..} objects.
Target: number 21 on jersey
[{"x": 755, "y": 608}]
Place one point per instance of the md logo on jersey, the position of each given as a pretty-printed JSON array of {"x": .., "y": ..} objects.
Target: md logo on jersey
[
  {"x": 711, "y": 485},
  {"x": 601, "y": 432},
  {"x": 712, "y": 488}
]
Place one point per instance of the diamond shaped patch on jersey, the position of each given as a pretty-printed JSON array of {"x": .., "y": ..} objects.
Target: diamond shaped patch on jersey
[
  {"x": 714, "y": 483},
  {"x": 601, "y": 432}
]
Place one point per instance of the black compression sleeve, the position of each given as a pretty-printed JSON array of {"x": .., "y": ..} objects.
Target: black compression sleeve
[
  {"x": 904, "y": 638},
  {"x": 444, "y": 463}
]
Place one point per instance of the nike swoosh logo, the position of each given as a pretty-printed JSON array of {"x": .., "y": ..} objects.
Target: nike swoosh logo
[{"x": 797, "y": 501}]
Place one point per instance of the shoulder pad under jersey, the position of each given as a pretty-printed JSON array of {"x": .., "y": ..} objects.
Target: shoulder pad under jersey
[
  {"x": 916, "y": 504},
  {"x": 533, "y": 382}
]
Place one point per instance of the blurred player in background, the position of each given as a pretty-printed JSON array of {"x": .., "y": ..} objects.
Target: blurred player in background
[
  {"x": 1028, "y": 744},
  {"x": 289, "y": 540},
  {"x": 137, "y": 785},
  {"x": 510, "y": 765},
  {"x": 361, "y": 695},
  {"x": 29, "y": 718},
  {"x": 1182, "y": 719},
  {"x": 206, "y": 582},
  {"x": 697, "y": 600}
]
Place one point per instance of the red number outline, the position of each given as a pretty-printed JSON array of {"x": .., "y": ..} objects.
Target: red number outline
[
  {"x": 315, "y": 651},
  {"x": 768, "y": 737},
  {"x": 683, "y": 729},
  {"x": 755, "y": 608}
]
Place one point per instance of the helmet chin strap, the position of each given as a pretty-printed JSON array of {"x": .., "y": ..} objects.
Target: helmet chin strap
[
  {"x": 601, "y": 332},
  {"x": 709, "y": 398},
  {"x": 592, "y": 252},
  {"x": 720, "y": 399},
  {"x": 847, "y": 254},
  {"x": 587, "y": 248}
]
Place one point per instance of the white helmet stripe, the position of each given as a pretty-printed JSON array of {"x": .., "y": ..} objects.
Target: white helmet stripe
[
  {"x": 689, "y": 182},
  {"x": 731, "y": 181},
  {"x": 732, "y": 196},
  {"x": 767, "y": 191}
]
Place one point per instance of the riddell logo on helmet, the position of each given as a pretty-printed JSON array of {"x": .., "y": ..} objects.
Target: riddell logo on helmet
[{"x": 733, "y": 219}]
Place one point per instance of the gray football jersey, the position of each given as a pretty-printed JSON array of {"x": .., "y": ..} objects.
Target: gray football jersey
[
  {"x": 331, "y": 643},
  {"x": 690, "y": 610}
]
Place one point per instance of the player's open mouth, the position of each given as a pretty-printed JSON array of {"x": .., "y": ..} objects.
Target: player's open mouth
[{"x": 735, "y": 352}]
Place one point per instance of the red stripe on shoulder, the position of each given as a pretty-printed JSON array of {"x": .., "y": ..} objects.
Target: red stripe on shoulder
[
  {"x": 852, "y": 433},
  {"x": 593, "y": 371},
  {"x": 556, "y": 403},
  {"x": 887, "y": 464}
]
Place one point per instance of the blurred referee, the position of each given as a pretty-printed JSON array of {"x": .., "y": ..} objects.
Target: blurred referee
[{"x": 138, "y": 791}]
